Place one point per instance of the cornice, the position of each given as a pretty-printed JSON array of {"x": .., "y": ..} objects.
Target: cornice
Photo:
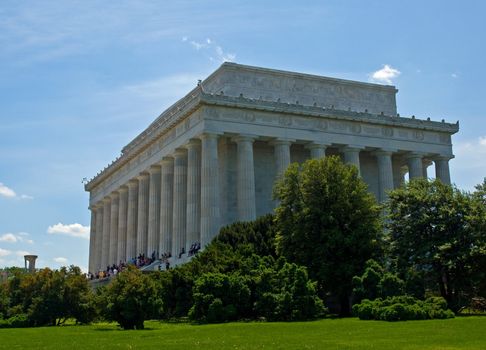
[
  {"x": 197, "y": 98},
  {"x": 316, "y": 111}
]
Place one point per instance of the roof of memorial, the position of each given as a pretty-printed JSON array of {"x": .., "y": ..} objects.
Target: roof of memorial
[{"x": 198, "y": 97}]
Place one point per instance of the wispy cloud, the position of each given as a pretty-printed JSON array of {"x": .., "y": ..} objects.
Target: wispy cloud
[
  {"x": 215, "y": 52},
  {"x": 73, "y": 230},
  {"x": 454, "y": 75},
  {"x": 60, "y": 260},
  {"x": 4, "y": 252},
  {"x": 15, "y": 237},
  {"x": 385, "y": 74},
  {"x": 7, "y": 192}
]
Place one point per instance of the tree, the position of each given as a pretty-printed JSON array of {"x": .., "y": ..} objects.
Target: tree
[
  {"x": 329, "y": 222},
  {"x": 130, "y": 298},
  {"x": 438, "y": 231},
  {"x": 376, "y": 282}
]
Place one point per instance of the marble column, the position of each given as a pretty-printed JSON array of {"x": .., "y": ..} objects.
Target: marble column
[
  {"x": 193, "y": 215},
  {"x": 442, "y": 171},
  {"x": 351, "y": 156},
  {"x": 415, "y": 167},
  {"x": 142, "y": 215},
  {"x": 317, "y": 151},
  {"x": 105, "y": 246},
  {"x": 180, "y": 201},
  {"x": 210, "y": 211},
  {"x": 154, "y": 210},
  {"x": 92, "y": 240},
  {"x": 132, "y": 215},
  {"x": 425, "y": 164},
  {"x": 99, "y": 237},
  {"x": 398, "y": 172},
  {"x": 166, "y": 204},
  {"x": 122, "y": 224},
  {"x": 385, "y": 173},
  {"x": 245, "y": 189},
  {"x": 282, "y": 156},
  {"x": 115, "y": 199}
]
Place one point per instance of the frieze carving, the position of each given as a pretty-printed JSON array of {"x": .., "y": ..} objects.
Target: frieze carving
[
  {"x": 355, "y": 128},
  {"x": 387, "y": 131},
  {"x": 418, "y": 135},
  {"x": 371, "y": 130},
  {"x": 249, "y": 116},
  {"x": 321, "y": 124},
  {"x": 284, "y": 120}
]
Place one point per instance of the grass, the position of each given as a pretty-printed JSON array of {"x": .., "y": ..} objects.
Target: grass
[{"x": 458, "y": 333}]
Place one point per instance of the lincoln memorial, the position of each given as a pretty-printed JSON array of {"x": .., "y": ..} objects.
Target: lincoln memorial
[{"x": 212, "y": 158}]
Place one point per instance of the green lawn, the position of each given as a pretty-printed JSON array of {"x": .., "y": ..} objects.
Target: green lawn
[{"x": 458, "y": 333}]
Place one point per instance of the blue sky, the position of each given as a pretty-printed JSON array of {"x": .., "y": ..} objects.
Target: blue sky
[{"x": 80, "y": 79}]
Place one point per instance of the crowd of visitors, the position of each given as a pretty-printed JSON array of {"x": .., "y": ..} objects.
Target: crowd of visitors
[{"x": 142, "y": 260}]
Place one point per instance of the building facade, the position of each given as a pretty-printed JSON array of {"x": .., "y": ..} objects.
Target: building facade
[{"x": 212, "y": 158}]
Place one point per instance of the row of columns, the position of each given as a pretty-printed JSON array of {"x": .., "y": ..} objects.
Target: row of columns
[{"x": 176, "y": 202}]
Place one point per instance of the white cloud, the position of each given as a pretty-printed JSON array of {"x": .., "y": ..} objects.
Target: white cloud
[
  {"x": 60, "y": 260},
  {"x": 15, "y": 237},
  {"x": 73, "y": 230},
  {"x": 216, "y": 51},
  {"x": 8, "y": 237},
  {"x": 6, "y": 191},
  {"x": 454, "y": 75},
  {"x": 5, "y": 252},
  {"x": 385, "y": 75}
]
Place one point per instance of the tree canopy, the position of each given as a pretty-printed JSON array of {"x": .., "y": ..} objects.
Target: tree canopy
[
  {"x": 327, "y": 221},
  {"x": 439, "y": 231}
]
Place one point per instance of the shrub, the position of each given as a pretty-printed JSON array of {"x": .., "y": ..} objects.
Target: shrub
[
  {"x": 401, "y": 308},
  {"x": 130, "y": 299},
  {"x": 17, "y": 321}
]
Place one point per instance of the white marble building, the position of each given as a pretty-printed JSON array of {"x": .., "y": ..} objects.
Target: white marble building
[{"x": 212, "y": 157}]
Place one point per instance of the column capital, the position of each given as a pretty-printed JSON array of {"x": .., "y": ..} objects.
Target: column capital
[
  {"x": 106, "y": 200},
  {"x": 194, "y": 142},
  {"x": 180, "y": 152},
  {"x": 314, "y": 144},
  {"x": 209, "y": 135},
  {"x": 282, "y": 141},
  {"x": 384, "y": 152},
  {"x": 154, "y": 168},
  {"x": 143, "y": 175},
  {"x": 132, "y": 183},
  {"x": 352, "y": 148},
  {"x": 167, "y": 160},
  {"x": 243, "y": 138},
  {"x": 123, "y": 189},
  {"x": 446, "y": 157},
  {"x": 114, "y": 195},
  {"x": 413, "y": 155}
]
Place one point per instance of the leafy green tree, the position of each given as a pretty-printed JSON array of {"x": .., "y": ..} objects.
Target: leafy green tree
[
  {"x": 376, "y": 282},
  {"x": 285, "y": 293},
  {"x": 220, "y": 297},
  {"x": 329, "y": 222},
  {"x": 438, "y": 231},
  {"x": 130, "y": 298}
]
